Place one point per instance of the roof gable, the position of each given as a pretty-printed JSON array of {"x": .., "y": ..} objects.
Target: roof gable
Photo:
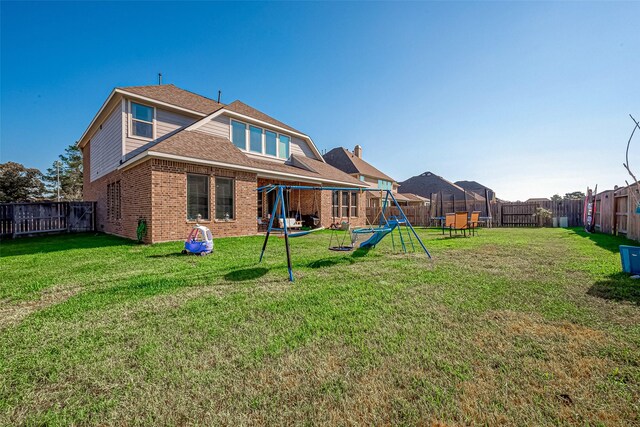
[
  {"x": 171, "y": 94},
  {"x": 246, "y": 110},
  {"x": 348, "y": 162}
]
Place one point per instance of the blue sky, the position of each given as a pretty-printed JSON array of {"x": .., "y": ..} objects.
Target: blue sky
[{"x": 530, "y": 99}]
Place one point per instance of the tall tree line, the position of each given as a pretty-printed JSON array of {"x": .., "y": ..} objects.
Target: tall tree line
[{"x": 64, "y": 178}]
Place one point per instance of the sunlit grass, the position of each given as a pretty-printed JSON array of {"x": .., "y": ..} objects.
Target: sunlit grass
[{"x": 514, "y": 326}]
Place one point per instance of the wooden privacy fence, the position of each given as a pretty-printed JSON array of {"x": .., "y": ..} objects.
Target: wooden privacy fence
[
  {"x": 501, "y": 214},
  {"x": 19, "y": 219},
  {"x": 616, "y": 212}
]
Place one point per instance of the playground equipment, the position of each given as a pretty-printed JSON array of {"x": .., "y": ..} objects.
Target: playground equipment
[
  {"x": 199, "y": 241},
  {"x": 386, "y": 226}
]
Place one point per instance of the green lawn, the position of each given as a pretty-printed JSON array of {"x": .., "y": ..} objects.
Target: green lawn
[{"x": 512, "y": 327}]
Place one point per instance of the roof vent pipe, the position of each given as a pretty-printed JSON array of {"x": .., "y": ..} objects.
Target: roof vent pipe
[
  {"x": 358, "y": 151},
  {"x": 219, "y": 94},
  {"x": 159, "y": 78}
]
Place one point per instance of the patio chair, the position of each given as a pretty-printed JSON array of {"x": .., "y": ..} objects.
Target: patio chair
[
  {"x": 461, "y": 223},
  {"x": 449, "y": 220},
  {"x": 474, "y": 221}
]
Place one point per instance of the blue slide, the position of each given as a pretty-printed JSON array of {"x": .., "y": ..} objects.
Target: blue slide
[{"x": 377, "y": 236}]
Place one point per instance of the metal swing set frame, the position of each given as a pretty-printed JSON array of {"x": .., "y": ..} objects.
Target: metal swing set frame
[{"x": 384, "y": 227}]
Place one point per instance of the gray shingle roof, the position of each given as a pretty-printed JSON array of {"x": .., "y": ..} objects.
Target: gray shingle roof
[{"x": 348, "y": 162}]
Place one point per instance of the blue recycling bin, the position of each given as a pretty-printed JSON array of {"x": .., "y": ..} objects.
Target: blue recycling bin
[{"x": 630, "y": 257}]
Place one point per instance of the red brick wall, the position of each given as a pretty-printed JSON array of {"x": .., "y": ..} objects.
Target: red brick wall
[
  {"x": 157, "y": 191},
  {"x": 169, "y": 200}
]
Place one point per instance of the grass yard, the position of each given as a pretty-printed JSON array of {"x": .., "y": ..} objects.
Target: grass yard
[{"x": 513, "y": 327}]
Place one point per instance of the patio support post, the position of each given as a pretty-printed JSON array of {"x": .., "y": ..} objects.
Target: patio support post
[{"x": 273, "y": 215}]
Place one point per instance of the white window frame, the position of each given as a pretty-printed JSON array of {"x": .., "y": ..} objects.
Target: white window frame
[
  {"x": 130, "y": 117},
  {"x": 247, "y": 139}
]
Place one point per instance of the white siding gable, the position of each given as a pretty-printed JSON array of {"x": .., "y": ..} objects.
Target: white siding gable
[
  {"x": 301, "y": 147},
  {"x": 106, "y": 145},
  {"x": 221, "y": 126},
  {"x": 166, "y": 122},
  {"x": 218, "y": 126}
]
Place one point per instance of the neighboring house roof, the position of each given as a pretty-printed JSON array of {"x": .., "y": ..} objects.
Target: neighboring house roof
[
  {"x": 415, "y": 198},
  {"x": 194, "y": 146},
  {"x": 348, "y": 162},
  {"x": 429, "y": 183},
  {"x": 171, "y": 94},
  {"x": 538, "y": 199},
  {"x": 476, "y": 187}
]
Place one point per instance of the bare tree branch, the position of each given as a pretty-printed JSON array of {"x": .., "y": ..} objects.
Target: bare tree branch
[{"x": 626, "y": 165}]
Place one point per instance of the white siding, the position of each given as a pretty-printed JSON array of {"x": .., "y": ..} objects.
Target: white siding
[
  {"x": 106, "y": 145},
  {"x": 166, "y": 123},
  {"x": 301, "y": 148},
  {"x": 218, "y": 126}
]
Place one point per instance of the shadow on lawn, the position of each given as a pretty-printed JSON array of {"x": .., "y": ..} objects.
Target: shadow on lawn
[
  {"x": 60, "y": 242},
  {"x": 328, "y": 262},
  {"x": 605, "y": 241},
  {"x": 246, "y": 274},
  {"x": 618, "y": 287}
]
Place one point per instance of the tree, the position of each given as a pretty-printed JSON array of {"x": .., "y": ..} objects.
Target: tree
[
  {"x": 19, "y": 184},
  {"x": 575, "y": 195},
  {"x": 556, "y": 198},
  {"x": 69, "y": 166}
]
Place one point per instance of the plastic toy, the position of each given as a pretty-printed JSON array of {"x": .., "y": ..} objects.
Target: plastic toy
[{"x": 199, "y": 242}]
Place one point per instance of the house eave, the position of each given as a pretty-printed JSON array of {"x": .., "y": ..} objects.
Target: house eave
[{"x": 261, "y": 173}]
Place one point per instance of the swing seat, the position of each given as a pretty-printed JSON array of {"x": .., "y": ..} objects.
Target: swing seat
[
  {"x": 291, "y": 223},
  {"x": 341, "y": 248}
]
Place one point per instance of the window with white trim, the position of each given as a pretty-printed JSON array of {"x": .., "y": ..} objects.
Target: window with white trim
[
  {"x": 353, "y": 207},
  {"x": 255, "y": 139},
  {"x": 239, "y": 134},
  {"x": 259, "y": 140},
  {"x": 197, "y": 197},
  {"x": 141, "y": 121},
  {"x": 335, "y": 204},
  {"x": 225, "y": 198},
  {"x": 270, "y": 143},
  {"x": 283, "y": 147}
]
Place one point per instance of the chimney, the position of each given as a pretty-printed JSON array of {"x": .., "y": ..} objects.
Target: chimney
[{"x": 358, "y": 151}]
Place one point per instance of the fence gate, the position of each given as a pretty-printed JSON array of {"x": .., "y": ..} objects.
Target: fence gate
[
  {"x": 519, "y": 215},
  {"x": 18, "y": 219}
]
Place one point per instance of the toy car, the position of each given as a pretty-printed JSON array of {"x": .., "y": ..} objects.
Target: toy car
[{"x": 199, "y": 241}]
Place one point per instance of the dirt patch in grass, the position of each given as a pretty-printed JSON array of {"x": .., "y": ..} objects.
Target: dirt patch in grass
[
  {"x": 527, "y": 369},
  {"x": 12, "y": 314}
]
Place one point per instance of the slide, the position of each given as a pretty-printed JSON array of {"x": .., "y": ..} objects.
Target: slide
[{"x": 377, "y": 236}]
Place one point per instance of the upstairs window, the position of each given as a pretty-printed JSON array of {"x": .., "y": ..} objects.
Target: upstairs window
[
  {"x": 197, "y": 197},
  {"x": 283, "y": 151},
  {"x": 141, "y": 121},
  {"x": 259, "y": 140},
  {"x": 271, "y": 143},
  {"x": 384, "y": 185},
  {"x": 239, "y": 134},
  {"x": 362, "y": 178},
  {"x": 255, "y": 139}
]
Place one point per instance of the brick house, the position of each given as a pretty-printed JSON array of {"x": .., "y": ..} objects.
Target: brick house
[{"x": 168, "y": 155}]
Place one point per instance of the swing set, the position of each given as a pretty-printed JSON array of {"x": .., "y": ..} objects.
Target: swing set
[{"x": 385, "y": 226}]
